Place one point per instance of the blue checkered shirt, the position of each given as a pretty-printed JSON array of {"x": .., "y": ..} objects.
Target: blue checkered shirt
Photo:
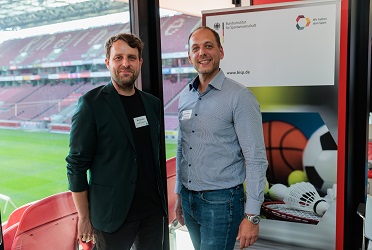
[{"x": 220, "y": 140}]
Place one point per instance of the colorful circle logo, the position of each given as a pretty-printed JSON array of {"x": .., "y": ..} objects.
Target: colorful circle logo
[{"x": 302, "y": 22}]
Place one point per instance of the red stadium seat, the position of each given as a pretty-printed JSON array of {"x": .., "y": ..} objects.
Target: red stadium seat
[
  {"x": 50, "y": 223},
  {"x": 370, "y": 151},
  {"x": 10, "y": 226},
  {"x": 8, "y": 236},
  {"x": 171, "y": 181},
  {"x": 15, "y": 216}
]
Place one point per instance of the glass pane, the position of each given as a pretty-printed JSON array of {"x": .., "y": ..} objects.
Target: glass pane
[
  {"x": 176, "y": 23},
  {"x": 178, "y": 19},
  {"x": 49, "y": 57}
]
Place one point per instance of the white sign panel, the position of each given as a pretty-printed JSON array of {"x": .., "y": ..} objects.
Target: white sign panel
[{"x": 292, "y": 46}]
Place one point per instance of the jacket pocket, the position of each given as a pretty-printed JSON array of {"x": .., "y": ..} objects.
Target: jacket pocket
[{"x": 101, "y": 203}]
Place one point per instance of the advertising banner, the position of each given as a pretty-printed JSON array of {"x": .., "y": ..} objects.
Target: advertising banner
[
  {"x": 292, "y": 45},
  {"x": 287, "y": 54}
]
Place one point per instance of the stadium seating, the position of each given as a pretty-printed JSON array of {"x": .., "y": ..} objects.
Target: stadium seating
[
  {"x": 11, "y": 46},
  {"x": 65, "y": 46},
  {"x": 32, "y": 103},
  {"x": 88, "y": 44},
  {"x": 171, "y": 122},
  {"x": 70, "y": 99},
  {"x": 32, "y": 108},
  {"x": 14, "y": 94},
  {"x": 11, "y": 225},
  {"x": 15, "y": 216},
  {"x": 7, "y": 109},
  {"x": 7, "y": 93},
  {"x": 50, "y": 223},
  {"x": 170, "y": 89},
  {"x": 172, "y": 107},
  {"x": 177, "y": 28}
]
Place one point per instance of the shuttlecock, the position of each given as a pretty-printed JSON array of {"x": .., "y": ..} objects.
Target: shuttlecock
[
  {"x": 331, "y": 194},
  {"x": 278, "y": 191},
  {"x": 304, "y": 196}
]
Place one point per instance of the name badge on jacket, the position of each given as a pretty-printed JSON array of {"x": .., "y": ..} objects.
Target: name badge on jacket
[{"x": 140, "y": 121}]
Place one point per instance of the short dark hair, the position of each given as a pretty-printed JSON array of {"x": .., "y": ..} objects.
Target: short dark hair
[
  {"x": 216, "y": 35},
  {"x": 132, "y": 40}
]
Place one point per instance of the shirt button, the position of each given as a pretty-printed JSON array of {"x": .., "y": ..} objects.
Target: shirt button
[
  {"x": 189, "y": 165},
  {"x": 189, "y": 181},
  {"x": 193, "y": 131},
  {"x": 190, "y": 147},
  {"x": 199, "y": 98},
  {"x": 196, "y": 114}
]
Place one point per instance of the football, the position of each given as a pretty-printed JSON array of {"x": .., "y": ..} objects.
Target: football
[{"x": 320, "y": 160}]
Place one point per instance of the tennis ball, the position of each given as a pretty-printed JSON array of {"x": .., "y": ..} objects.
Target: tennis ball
[
  {"x": 296, "y": 176},
  {"x": 266, "y": 190}
]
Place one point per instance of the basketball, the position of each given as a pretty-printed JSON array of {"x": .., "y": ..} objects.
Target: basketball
[{"x": 284, "y": 149}]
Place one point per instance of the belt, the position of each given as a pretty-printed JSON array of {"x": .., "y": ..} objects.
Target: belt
[{"x": 205, "y": 191}]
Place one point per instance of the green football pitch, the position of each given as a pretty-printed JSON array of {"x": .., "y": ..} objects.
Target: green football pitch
[{"x": 32, "y": 166}]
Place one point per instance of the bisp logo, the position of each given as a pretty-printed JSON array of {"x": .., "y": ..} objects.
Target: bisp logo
[{"x": 302, "y": 22}]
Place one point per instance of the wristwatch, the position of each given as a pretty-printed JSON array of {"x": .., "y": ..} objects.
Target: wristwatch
[{"x": 254, "y": 219}]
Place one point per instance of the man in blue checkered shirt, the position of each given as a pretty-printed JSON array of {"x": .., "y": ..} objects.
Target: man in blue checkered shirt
[{"x": 220, "y": 146}]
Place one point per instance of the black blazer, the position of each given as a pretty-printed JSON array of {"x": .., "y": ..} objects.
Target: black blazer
[{"x": 101, "y": 140}]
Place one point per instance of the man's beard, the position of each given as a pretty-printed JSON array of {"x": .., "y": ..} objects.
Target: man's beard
[{"x": 125, "y": 83}]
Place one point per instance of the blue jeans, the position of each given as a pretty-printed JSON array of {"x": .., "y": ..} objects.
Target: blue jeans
[{"x": 213, "y": 217}]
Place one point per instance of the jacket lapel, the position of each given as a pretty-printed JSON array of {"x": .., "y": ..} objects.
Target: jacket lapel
[{"x": 113, "y": 100}]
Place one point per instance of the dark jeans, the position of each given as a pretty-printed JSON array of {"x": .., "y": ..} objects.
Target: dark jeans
[
  {"x": 146, "y": 234},
  {"x": 213, "y": 217}
]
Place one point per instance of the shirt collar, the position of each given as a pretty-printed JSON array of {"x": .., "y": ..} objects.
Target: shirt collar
[{"x": 216, "y": 82}]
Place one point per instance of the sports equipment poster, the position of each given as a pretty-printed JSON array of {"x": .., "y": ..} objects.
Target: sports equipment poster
[
  {"x": 300, "y": 194},
  {"x": 290, "y": 45},
  {"x": 287, "y": 54}
]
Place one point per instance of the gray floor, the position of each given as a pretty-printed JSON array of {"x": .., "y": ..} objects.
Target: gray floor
[
  {"x": 180, "y": 241},
  {"x": 270, "y": 245}
]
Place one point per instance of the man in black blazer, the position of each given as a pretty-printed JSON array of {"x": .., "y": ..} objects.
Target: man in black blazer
[{"x": 115, "y": 137}]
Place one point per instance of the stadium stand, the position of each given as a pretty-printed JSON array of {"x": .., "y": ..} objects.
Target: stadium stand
[
  {"x": 177, "y": 28},
  {"x": 170, "y": 89},
  {"x": 171, "y": 121},
  {"x": 7, "y": 93},
  {"x": 172, "y": 107},
  {"x": 42, "y": 77}
]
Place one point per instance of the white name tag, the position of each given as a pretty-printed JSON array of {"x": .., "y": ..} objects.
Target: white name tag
[
  {"x": 140, "y": 121},
  {"x": 186, "y": 114}
]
